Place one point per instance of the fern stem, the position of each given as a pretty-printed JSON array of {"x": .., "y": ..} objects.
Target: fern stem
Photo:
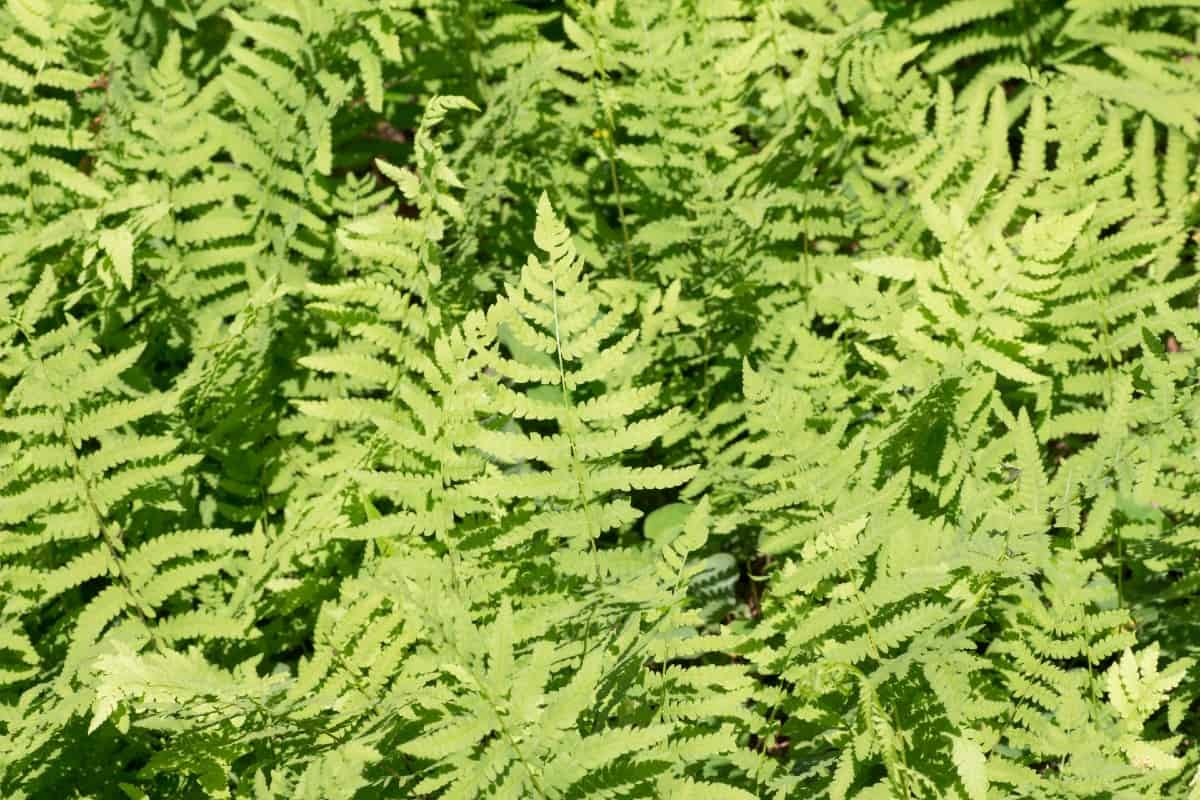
[
  {"x": 612, "y": 166},
  {"x": 111, "y": 542},
  {"x": 497, "y": 713},
  {"x": 610, "y": 146},
  {"x": 468, "y": 15},
  {"x": 576, "y": 467},
  {"x": 776, "y": 24},
  {"x": 901, "y": 775},
  {"x": 110, "y": 535}
]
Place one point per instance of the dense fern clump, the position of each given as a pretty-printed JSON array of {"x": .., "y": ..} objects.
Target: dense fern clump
[{"x": 599, "y": 398}]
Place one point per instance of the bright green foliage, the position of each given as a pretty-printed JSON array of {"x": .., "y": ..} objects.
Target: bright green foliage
[{"x": 670, "y": 398}]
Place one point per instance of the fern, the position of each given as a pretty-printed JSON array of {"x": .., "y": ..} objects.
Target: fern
[{"x": 434, "y": 398}]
